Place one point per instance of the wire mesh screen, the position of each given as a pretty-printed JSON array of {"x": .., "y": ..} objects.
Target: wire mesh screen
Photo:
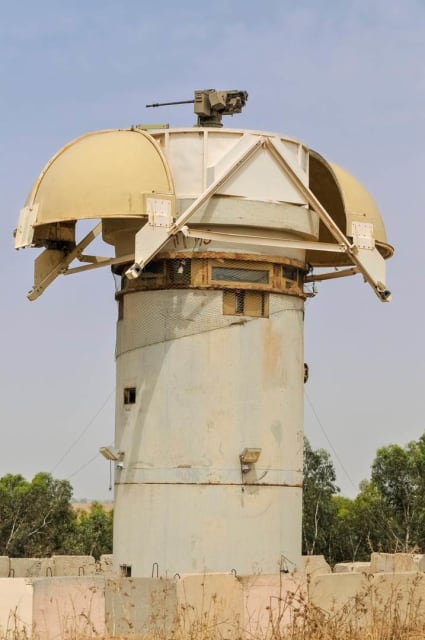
[
  {"x": 152, "y": 317},
  {"x": 175, "y": 298}
]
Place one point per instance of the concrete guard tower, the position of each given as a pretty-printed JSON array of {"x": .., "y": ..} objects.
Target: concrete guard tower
[{"x": 215, "y": 234}]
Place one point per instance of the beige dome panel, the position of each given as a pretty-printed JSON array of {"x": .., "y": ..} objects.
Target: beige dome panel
[
  {"x": 105, "y": 174},
  {"x": 348, "y": 202}
]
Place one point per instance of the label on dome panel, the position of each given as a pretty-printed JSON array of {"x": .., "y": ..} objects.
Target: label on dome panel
[
  {"x": 159, "y": 212},
  {"x": 25, "y": 229},
  {"x": 362, "y": 233}
]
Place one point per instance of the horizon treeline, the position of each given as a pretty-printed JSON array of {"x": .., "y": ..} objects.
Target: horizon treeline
[{"x": 387, "y": 515}]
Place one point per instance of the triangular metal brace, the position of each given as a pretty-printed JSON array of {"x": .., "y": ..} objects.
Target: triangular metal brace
[{"x": 365, "y": 257}]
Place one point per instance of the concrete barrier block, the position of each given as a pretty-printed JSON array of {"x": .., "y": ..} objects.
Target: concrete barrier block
[
  {"x": 106, "y": 565},
  {"x": 69, "y": 607},
  {"x": 352, "y": 567},
  {"x": 140, "y": 606},
  {"x": 372, "y": 601},
  {"x": 392, "y": 562},
  {"x": 31, "y": 567},
  {"x": 74, "y": 566},
  {"x": 210, "y": 600},
  {"x": 341, "y": 594},
  {"x": 4, "y": 566},
  {"x": 312, "y": 565},
  {"x": 270, "y": 603},
  {"x": 15, "y": 607}
]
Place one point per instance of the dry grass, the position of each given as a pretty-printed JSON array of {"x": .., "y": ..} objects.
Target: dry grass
[{"x": 399, "y": 615}]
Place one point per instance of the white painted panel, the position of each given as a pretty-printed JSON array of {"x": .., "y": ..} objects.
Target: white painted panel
[
  {"x": 227, "y": 160},
  {"x": 185, "y": 154},
  {"x": 219, "y": 144},
  {"x": 261, "y": 178}
]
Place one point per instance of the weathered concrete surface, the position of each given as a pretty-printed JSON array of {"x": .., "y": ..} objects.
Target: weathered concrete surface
[
  {"x": 105, "y": 565},
  {"x": 16, "y": 608},
  {"x": 189, "y": 606},
  {"x": 352, "y": 567},
  {"x": 360, "y": 599},
  {"x": 392, "y": 562},
  {"x": 331, "y": 592},
  {"x": 4, "y": 566},
  {"x": 312, "y": 565},
  {"x": 210, "y": 601},
  {"x": 31, "y": 567},
  {"x": 270, "y": 603},
  {"x": 215, "y": 517},
  {"x": 69, "y": 607},
  {"x": 142, "y": 606},
  {"x": 74, "y": 565}
]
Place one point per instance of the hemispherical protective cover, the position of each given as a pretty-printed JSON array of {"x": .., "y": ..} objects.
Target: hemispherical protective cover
[
  {"x": 347, "y": 201},
  {"x": 104, "y": 174}
]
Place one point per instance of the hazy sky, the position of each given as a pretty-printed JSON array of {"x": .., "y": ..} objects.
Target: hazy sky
[{"x": 345, "y": 76}]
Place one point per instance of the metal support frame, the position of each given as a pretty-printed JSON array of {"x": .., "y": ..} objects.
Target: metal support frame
[
  {"x": 62, "y": 265},
  {"x": 261, "y": 240},
  {"x": 151, "y": 238},
  {"x": 98, "y": 262},
  {"x": 332, "y": 275},
  {"x": 368, "y": 261}
]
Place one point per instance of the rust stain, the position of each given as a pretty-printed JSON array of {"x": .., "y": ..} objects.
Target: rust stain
[{"x": 272, "y": 346}]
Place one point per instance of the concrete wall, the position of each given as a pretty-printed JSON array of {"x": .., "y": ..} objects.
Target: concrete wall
[
  {"x": 192, "y": 605},
  {"x": 393, "y": 562},
  {"x": 59, "y": 565},
  {"x": 69, "y": 607},
  {"x": 311, "y": 565},
  {"x": 31, "y": 567},
  {"x": 16, "y": 595},
  {"x": 105, "y": 565},
  {"x": 140, "y": 606},
  {"x": 363, "y": 600},
  {"x": 352, "y": 567},
  {"x": 4, "y": 566},
  {"x": 211, "y": 601},
  {"x": 271, "y": 603},
  {"x": 74, "y": 565}
]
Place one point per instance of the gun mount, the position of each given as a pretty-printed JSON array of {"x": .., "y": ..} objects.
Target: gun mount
[{"x": 211, "y": 105}]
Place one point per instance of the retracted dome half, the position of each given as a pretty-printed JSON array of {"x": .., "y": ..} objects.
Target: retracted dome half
[
  {"x": 104, "y": 174},
  {"x": 348, "y": 203}
]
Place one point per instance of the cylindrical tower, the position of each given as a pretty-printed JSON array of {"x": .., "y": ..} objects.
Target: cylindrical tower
[
  {"x": 210, "y": 375},
  {"x": 215, "y": 233}
]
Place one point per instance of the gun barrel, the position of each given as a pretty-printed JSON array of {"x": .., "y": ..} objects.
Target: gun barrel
[{"x": 167, "y": 104}]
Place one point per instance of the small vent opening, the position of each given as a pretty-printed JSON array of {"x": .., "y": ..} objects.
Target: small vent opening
[
  {"x": 130, "y": 395},
  {"x": 125, "y": 570}
]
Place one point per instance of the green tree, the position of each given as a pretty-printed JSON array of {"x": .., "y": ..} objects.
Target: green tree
[
  {"x": 36, "y": 516},
  {"x": 398, "y": 475},
  {"x": 318, "y": 508},
  {"x": 361, "y": 525},
  {"x": 344, "y": 543},
  {"x": 92, "y": 532}
]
